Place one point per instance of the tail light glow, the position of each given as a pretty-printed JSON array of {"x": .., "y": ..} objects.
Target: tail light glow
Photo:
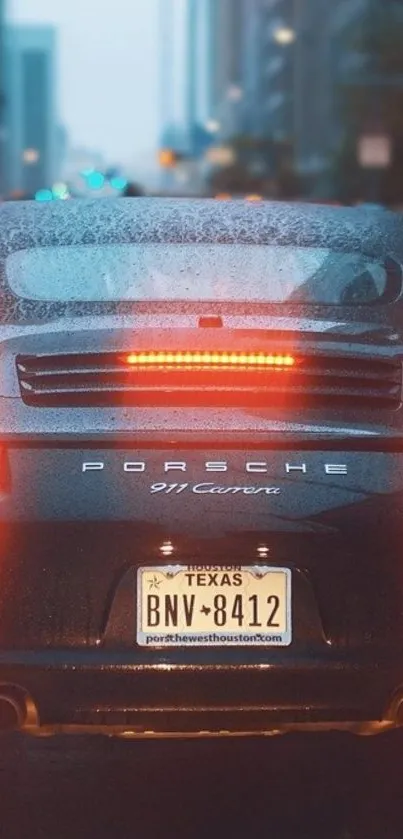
[{"x": 211, "y": 359}]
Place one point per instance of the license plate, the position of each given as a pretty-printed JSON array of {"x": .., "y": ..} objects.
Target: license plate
[{"x": 210, "y": 606}]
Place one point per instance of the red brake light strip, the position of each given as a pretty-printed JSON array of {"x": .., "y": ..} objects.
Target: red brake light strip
[{"x": 209, "y": 359}]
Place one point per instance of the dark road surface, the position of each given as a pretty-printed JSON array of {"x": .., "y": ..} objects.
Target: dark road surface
[{"x": 299, "y": 786}]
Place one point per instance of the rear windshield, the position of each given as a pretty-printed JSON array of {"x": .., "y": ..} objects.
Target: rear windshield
[{"x": 202, "y": 272}]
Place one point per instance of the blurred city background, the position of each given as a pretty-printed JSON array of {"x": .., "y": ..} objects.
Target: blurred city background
[{"x": 283, "y": 99}]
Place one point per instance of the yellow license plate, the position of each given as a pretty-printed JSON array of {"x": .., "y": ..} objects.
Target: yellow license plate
[{"x": 210, "y": 606}]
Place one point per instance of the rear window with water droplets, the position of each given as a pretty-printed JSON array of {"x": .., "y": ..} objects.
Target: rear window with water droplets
[{"x": 147, "y": 271}]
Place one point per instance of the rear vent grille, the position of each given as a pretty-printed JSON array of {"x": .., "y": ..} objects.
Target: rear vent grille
[{"x": 92, "y": 379}]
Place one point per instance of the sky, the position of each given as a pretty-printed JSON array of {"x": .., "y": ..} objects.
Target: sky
[{"x": 108, "y": 71}]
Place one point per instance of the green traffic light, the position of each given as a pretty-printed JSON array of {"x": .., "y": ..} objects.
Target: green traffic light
[
  {"x": 118, "y": 183},
  {"x": 95, "y": 180},
  {"x": 44, "y": 195}
]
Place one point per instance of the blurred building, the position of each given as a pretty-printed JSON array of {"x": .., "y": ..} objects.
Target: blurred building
[
  {"x": 354, "y": 66},
  {"x": 273, "y": 69},
  {"x": 278, "y": 60},
  {"x": 3, "y": 127},
  {"x": 346, "y": 13},
  {"x": 32, "y": 124},
  {"x": 277, "y": 74},
  {"x": 255, "y": 69},
  {"x": 61, "y": 152},
  {"x": 224, "y": 68},
  {"x": 277, "y": 70},
  {"x": 213, "y": 68},
  {"x": 227, "y": 65},
  {"x": 247, "y": 63},
  {"x": 288, "y": 75},
  {"x": 346, "y": 62},
  {"x": 166, "y": 67},
  {"x": 313, "y": 95}
]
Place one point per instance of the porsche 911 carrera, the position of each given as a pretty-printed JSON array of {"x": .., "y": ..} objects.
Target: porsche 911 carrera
[{"x": 201, "y": 468}]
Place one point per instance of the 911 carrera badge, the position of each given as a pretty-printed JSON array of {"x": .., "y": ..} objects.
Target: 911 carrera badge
[
  {"x": 209, "y": 488},
  {"x": 174, "y": 479}
]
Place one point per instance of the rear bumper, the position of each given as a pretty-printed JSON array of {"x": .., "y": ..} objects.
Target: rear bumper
[{"x": 104, "y": 692}]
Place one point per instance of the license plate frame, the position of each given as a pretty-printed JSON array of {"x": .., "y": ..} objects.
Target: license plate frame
[{"x": 156, "y": 599}]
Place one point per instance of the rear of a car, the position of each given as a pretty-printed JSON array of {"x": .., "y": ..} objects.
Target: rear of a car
[{"x": 201, "y": 468}]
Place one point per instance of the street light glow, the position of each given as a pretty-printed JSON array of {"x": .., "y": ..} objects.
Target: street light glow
[
  {"x": 30, "y": 156},
  {"x": 284, "y": 35},
  {"x": 212, "y": 126}
]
